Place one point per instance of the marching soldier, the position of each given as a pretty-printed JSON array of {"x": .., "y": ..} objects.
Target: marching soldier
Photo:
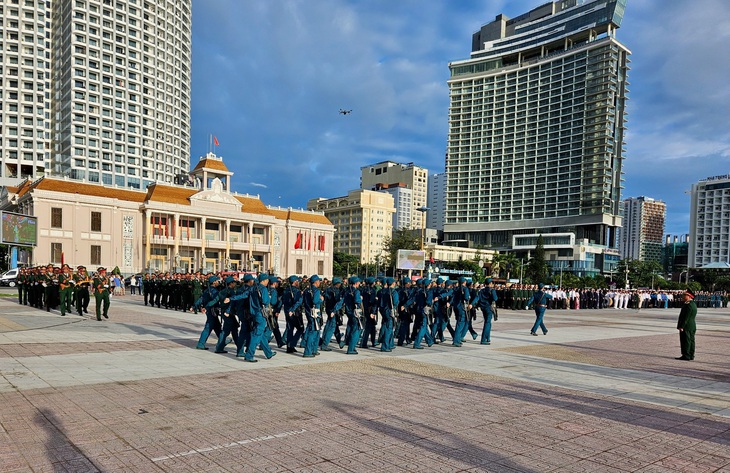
[
  {"x": 312, "y": 303},
  {"x": 101, "y": 293},
  {"x": 65, "y": 283},
  {"x": 333, "y": 300},
  {"x": 292, "y": 303},
  {"x": 353, "y": 309},
  {"x": 82, "y": 281},
  {"x": 388, "y": 307}
]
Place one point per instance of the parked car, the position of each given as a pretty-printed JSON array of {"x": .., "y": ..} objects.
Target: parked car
[
  {"x": 128, "y": 279},
  {"x": 9, "y": 277}
]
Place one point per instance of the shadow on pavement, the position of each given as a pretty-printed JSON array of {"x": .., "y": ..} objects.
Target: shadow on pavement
[
  {"x": 698, "y": 426},
  {"x": 61, "y": 452},
  {"x": 449, "y": 444}
]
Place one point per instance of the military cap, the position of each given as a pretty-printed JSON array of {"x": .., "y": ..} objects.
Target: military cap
[
  {"x": 79, "y": 268},
  {"x": 370, "y": 280},
  {"x": 389, "y": 281},
  {"x": 100, "y": 270},
  {"x": 263, "y": 277},
  {"x": 248, "y": 277},
  {"x": 314, "y": 278},
  {"x": 230, "y": 279},
  {"x": 690, "y": 293},
  {"x": 489, "y": 280},
  {"x": 353, "y": 280},
  {"x": 462, "y": 279},
  {"x": 212, "y": 279},
  {"x": 336, "y": 281},
  {"x": 440, "y": 280},
  {"x": 293, "y": 278},
  {"x": 540, "y": 285}
]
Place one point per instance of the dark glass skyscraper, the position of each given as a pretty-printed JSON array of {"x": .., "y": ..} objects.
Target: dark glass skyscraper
[{"x": 536, "y": 134}]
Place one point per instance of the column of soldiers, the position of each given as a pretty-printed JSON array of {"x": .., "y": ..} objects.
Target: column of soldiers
[
  {"x": 376, "y": 313},
  {"x": 58, "y": 288}
]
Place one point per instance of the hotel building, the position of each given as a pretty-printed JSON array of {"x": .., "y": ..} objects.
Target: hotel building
[
  {"x": 709, "y": 229},
  {"x": 642, "y": 233},
  {"x": 536, "y": 135}
]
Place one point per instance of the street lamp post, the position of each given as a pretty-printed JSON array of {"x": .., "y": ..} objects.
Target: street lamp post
[
  {"x": 522, "y": 265},
  {"x": 627, "y": 277},
  {"x": 423, "y": 211}
]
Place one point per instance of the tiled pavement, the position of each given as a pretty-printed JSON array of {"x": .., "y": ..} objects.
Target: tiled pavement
[{"x": 600, "y": 393}]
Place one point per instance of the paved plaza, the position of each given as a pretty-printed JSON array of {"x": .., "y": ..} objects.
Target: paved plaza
[{"x": 601, "y": 392}]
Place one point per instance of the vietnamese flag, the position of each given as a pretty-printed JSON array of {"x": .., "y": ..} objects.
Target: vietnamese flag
[
  {"x": 215, "y": 141},
  {"x": 298, "y": 243}
]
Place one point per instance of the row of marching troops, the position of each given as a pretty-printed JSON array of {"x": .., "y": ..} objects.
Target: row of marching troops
[
  {"x": 176, "y": 291},
  {"x": 58, "y": 287},
  {"x": 380, "y": 313}
]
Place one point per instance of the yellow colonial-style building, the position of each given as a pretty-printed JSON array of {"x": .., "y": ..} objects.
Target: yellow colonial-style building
[{"x": 171, "y": 228}]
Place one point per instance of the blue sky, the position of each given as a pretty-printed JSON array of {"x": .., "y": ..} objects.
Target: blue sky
[{"x": 269, "y": 77}]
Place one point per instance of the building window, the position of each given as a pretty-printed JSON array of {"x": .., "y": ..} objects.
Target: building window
[
  {"x": 300, "y": 266},
  {"x": 56, "y": 217},
  {"x": 320, "y": 267},
  {"x": 56, "y": 252},
  {"x": 96, "y": 254},
  {"x": 95, "y": 223}
]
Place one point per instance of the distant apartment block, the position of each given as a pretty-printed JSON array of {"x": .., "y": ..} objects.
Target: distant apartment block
[
  {"x": 96, "y": 90},
  {"x": 389, "y": 172},
  {"x": 403, "y": 202},
  {"x": 436, "y": 201},
  {"x": 642, "y": 232},
  {"x": 710, "y": 222},
  {"x": 362, "y": 220}
]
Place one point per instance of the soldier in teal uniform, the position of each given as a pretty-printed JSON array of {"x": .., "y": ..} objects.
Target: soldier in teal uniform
[
  {"x": 539, "y": 300},
  {"x": 687, "y": 327}
]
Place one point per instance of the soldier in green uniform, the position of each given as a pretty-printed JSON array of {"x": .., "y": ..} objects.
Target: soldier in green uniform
[
  {"x": 81, "y": 290},
  {"x": 48, "y": 290},
  {"x": 687, "y": 327},
  {"x": 101, "y": 293},
  {"x": 20, "y": 281},
  {"x": 65, "y": 285},
  {"x": 197, "y": 289}
]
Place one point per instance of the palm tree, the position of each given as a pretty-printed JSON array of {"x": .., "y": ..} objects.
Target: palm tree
[
  {"x": 510, "y": 262},
  {"x": 497, "y": 264}
]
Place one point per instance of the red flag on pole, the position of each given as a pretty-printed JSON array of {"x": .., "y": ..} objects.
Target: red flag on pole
[
  {"x": 215, "y": 141},
  {"x": 298, "y": 243},
  {"x": 309, "y": 245}
]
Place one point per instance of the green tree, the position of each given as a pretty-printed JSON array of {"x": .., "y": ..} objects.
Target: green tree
[
  {"x": 537, "y": 269},
  {"x": 400, "y": 240},
  {"x": 344, "y": 264}
]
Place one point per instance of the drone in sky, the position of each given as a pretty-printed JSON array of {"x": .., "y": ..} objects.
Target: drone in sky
[{"x": 345, "y": 112}]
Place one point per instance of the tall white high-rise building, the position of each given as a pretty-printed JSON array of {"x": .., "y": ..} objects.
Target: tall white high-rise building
[
  {"x": 536, "y": 134},
  {"x": 436, "y": 201},
  {"x": 709, "y": 228},
  {"x": 25, "y": 64},
  {"x": 97, "y": 90},
  {"x": 403, "y": 202},
  {"x": 642, "y": 231}
]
